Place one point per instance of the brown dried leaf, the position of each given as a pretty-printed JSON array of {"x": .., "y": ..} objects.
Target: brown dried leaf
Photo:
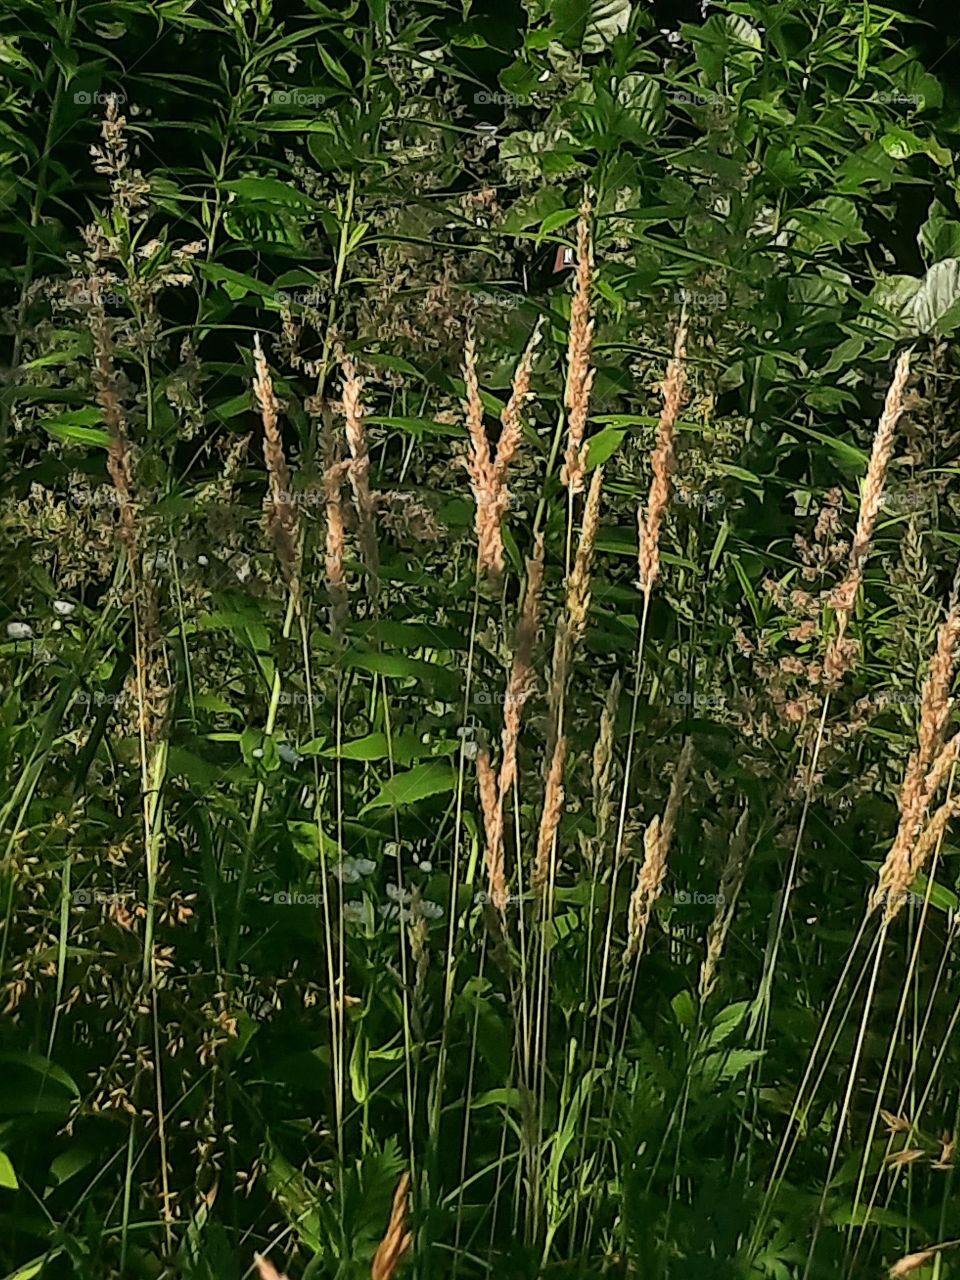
[
  {"x": 907, "y": 1156},
  {"x": 910, "y": 1262},
  {"x": 266, "y": 1269},
  {"x": 895, "y": 1123}
]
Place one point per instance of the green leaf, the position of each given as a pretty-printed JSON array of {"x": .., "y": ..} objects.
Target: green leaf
[
  {"x": 31, "y": 1269},
  {"x": 603, "y": 446},
  {"x": 940, "y": 235},
  {"x": 376, "y": 746},
  {"x": 77, "y": 427},
  {"x": 69, "y": 1163},
  {"x": 902, "y": 144},
  {"x": 936, "y": 306},
  {"x": 589, "y": 24},
  {"x": 8, "y": 1178},
  {"x": 726, "y": 1022},
  {"x": 890, "y": 307},
  {"x": 553, "y": 221},
  {"x": 827, "y": 223},
  {"x": 502, "y": 1097},
  {"x": 727, "y": 1066},
  {"x": 36, "y": 1062},
  {"x": 418, "y": 783},
  {"x": 267, "y": 191},
  {"x": 334, "y": 67},
  {"x": 359, "y": 1078},
  {"x": 308, "y": 840},
  {"x": 394, "y": 666},
  {"x": 684, "y": 1009},
  {"x": 236, "y": 284}
]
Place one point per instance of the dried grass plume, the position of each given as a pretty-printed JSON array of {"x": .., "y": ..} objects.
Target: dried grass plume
[
  {"x": 398, "y": 1239},
  {"x": 662, "y": 463},
  {"x": 840, "y": 653},
  {"x": 927, "y": 769},
  {"x": 488, "y": 473},
  {"x": 280, "y": 506},
  {"x": 579, "y": 372},
  {"x": 266, "y": 1270}
]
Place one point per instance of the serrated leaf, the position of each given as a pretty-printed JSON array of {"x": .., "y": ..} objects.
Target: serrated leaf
[{"x": 726, "y": 1022}]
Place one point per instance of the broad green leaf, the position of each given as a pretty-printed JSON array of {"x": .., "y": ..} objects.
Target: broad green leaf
[
  {"x": 236, "y": 283},
  {"x": 936, "y": 306},
  {"x": 41, "y": 1066},
  {"x": 77, "y": 427},
  {"x": 309, "y": 839},
  {"x": 726, "y": 1022},
  {"x": 376, "y": 746},
  {"x": 31, "y": 1269},
  {"x": 940, "y": 234},
  {"x": 589, "y": 24},
  {"x": 418, "y": 783},
  {"x": 429, "y": 674},
  {"x": 684, "y": 1009},
  {"x": 267, "y": 191}
]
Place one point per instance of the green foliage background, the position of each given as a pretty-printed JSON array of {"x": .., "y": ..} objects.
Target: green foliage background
[{"x": 381, "y": 176}]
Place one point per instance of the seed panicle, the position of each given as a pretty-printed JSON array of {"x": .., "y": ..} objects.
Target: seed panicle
[
  {"x": 396, "y": 1244},
  {"x": 662, "y": 462}
]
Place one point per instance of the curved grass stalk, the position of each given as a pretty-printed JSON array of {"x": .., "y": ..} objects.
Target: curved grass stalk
[
  {"x": 799, "y": 1112},
  {"x": 847, "y": 1097},
  {"x": 888, "y": 1062},
  {"x": 934, "y": 1070},
  {"x": 907, "y": 1088},
  {"x": 761, "y": 1009},
  {"x": 605, "y": 957}
]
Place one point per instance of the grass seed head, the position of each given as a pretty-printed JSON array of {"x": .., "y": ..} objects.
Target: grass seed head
[
  {"x": 550, "y": 819},
  {"x": 282, "y": 518},
  {"x": 266, "y": 1270},
  {"x": 662, "y": 462},
  {"x": 396, "y": 1243},
  {"x": 579, "y": 373}
]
